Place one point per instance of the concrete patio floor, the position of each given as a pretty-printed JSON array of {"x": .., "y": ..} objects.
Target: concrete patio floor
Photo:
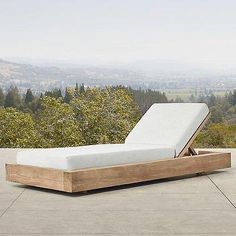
[{"x": 199, "y": 205}]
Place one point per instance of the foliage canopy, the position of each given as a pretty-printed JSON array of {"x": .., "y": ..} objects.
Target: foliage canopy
[{"x": 84, "y": 116}]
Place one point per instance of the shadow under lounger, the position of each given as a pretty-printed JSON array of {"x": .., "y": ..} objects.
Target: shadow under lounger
[{"x": 158, "y": 147}]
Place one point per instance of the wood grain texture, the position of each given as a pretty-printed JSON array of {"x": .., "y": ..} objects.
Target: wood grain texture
[
  {"x": 134, "y": 173},
  {"x": 95, "y": 178},
  {"x": 35, "y": 176}
]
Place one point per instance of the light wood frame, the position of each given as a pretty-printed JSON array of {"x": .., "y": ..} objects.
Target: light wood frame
[
  {"x": 188, "y": 162},
  {"x": 187, "y": 148},
  {"x": 95, "y": 178}
]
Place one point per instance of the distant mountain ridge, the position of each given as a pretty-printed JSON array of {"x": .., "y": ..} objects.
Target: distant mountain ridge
[
  {"x": 141, "y": 74},
  {"x": 41, "y": 78},
  {"x": 14, "y": 70}
]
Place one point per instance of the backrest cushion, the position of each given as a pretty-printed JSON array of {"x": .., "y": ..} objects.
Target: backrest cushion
[{"x": 170, "y": 124}]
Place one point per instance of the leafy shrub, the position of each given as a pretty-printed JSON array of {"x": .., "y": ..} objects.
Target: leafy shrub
[
  {"x": 105, "y": 115},
  {"x": 57, "y": 125},
  {"x": 17, "y": 129},
  {"x": 217, "y": 135}
]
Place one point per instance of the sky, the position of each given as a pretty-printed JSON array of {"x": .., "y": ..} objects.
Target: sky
[{"x": 111, "y": 31}]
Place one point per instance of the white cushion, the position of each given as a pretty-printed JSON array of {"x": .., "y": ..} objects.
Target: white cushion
[
  {"x": 161, "y": 133},
  {"x": 93, "y": 155},
  {"x": 171, "y": 124}
]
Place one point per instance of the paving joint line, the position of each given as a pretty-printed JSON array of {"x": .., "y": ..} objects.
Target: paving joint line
[
  {"x": 222, "y": 192},
  {"x": 1, "y": 215}
]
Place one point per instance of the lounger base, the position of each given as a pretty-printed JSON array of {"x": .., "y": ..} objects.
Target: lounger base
[{"x": 96, "y": 178}]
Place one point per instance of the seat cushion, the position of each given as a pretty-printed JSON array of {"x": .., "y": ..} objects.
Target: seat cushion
[
  {"x": 171, "y": 124},
  {"x": 93, "y": 155}
]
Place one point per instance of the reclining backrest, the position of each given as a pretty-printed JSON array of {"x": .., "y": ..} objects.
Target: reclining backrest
[{"x": 170, "y": 124}]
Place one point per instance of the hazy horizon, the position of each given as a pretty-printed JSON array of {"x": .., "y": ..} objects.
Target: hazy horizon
[{"x": 201, "y": 33}]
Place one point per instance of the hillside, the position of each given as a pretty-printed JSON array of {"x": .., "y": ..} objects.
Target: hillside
[
  {"x": 24, "y": 75},
  {"x": 157, "y": 76},
  {"x": 41, "y": 78}
]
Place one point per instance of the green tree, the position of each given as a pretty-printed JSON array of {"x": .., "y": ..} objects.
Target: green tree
[
  {"x": 230, "y": 115},
  {"x": 29, "y": 97},
  {"x": 145, "y": 98},
  {"x": 106, "y": 115},
  {"x": 76, "y": 91},
  {"x": 57, "y": 124},
  {"x": 232, "y": 97},
  {"x": 82, "y": 88},
  {"x": 216, "y": 114},
  {"x": 13, "y": 98},
  {"x": 58, "y": 94},
  {"x": 211, "y": 100},
  {"x": 217, "y": 135},
  {"x": 2, "y": 97},
  {"x": 17, "y": 129},
  {"x": 55, "y": 93},
  {"x": 68, "y": 95}
]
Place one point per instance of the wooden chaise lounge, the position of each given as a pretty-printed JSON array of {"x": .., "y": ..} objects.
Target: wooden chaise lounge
[{"x": 158, "y": 147}]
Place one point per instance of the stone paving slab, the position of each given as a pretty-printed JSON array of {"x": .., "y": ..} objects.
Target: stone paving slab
[
  {"x": 6, "y": 200},
  {"x": 190, "y": 184},
  {"x": 225, "y": 181},
  {"x": 123, "y": 222},
  {"x": 8, "y": 187},
  {"x": 114, "y": 234},
  {"x": 122, "y": 202},
  {"x": 199, "y": 205}
]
